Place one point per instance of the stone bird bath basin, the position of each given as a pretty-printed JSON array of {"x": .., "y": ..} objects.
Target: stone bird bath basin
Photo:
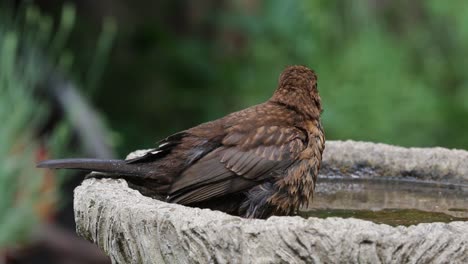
[{"x": 132, "y": 228}]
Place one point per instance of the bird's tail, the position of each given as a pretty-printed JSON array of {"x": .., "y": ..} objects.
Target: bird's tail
[{"x": 114, "y": 167}]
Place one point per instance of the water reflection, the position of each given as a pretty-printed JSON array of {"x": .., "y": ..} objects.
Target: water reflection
[{"x": 390, "y": 193}]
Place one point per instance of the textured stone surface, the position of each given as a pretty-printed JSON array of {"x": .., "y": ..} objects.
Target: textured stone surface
[
  {"x": 374, "y": 160},
  {"x": 132, "y": 228}
]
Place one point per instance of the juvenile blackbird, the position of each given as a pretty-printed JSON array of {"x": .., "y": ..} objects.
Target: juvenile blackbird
[{"x": 257, "y": 162}]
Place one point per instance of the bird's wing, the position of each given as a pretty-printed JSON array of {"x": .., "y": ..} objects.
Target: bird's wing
[
  {"x": 163, "y": 148},
  {"x": 243, "y": 159}
]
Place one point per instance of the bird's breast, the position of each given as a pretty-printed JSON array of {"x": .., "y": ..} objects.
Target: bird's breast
[{"x": 298, "y": 184}]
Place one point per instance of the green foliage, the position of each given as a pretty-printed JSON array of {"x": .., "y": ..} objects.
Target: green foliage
[
  {"x": 103, "y": 48},
  {"x": 30, "y": 52},
  {"x": 389, "y": 71},
  {"x": 11, "y": 128},
  {"x": 379, "y": 84},
  {"x": 20, "y": 186}
]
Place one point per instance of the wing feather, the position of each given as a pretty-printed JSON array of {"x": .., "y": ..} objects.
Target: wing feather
[
  {"x": 164, "y": 147},
  {"x": 244, "y": 159},
  {"x": 212, "y": 190}
]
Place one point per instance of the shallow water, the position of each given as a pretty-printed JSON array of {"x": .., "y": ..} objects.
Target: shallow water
[
  {"x": 393, "y": 217},
  {"x": 393, "y": 201}
]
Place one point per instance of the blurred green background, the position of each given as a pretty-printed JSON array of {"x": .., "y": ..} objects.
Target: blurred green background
[{"x": 390, "y": 71}]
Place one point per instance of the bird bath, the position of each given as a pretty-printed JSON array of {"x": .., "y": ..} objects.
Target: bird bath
[
  {"x": 390, "y": 200},
  {"x": 384, "y": 184}
]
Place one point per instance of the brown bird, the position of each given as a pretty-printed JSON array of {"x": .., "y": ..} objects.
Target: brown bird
[{"x": 257, "y": 162}]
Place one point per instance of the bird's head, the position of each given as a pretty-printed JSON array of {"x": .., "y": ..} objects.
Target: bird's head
[{"x": 298, "y": 87}]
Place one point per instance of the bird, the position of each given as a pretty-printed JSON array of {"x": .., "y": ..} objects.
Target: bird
[{"x": 253, "y": 163}]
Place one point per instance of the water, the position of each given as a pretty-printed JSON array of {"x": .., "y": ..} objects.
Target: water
[
  {"x": 393, "y": 217},
  {"x": 391, "y": 201}
]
